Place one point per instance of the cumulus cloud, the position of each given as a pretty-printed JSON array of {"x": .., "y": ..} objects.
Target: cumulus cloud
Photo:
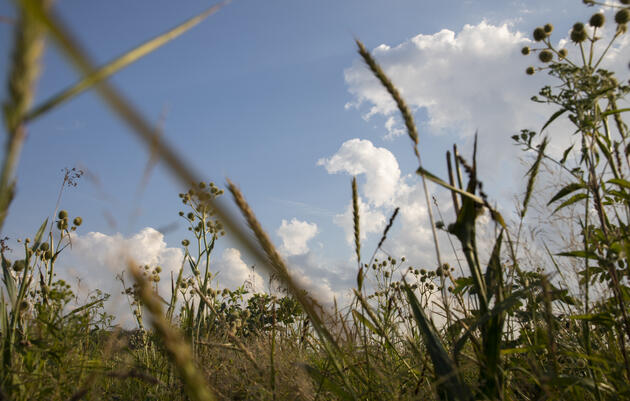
[
  {"x": 295, "y": 236},
  {"x": 473, "y": 79},
  {"x": 359, "y": 156},
  {"x": 96, "y": 260},
  {"x": 234, "y": 272}
]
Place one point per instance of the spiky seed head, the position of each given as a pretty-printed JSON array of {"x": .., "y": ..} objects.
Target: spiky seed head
[
  {"x": 158, "y": 269},
  {"x": 530, "y": 70},
  {"x": 191, "y": 216},
  {"x": 578, "y": 36},
  {"x": 545, "y": 56},
  {"x": 597, "y": 20},
  {"x": 44, "y": 246},
  {"x": 578, "y": 26},
  {"x": 525, "y": 50},
  {"x": 63, "y": 214},
  {"x": 622, "y": 16},
  {"x": 19, "y": 265},
  {"x": 562, "y": 53},
  {"x": 77, "y": 221},
  {"x": 548, "y": 28},
  {"x": 539, "y": 34}
]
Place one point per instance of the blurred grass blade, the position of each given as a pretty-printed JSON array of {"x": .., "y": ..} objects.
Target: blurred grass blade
[
  {"x": 326, "y": 382},
  {"x": 452, "y": 387},
  {"x": 116, "y": 65},
  {"x": 9, "y": 281}
]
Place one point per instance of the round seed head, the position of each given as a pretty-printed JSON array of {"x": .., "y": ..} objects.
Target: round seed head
[
  {"x": 548, "y": 28},
  {"x": 578, "y": 36},
  {"x": 530, "y": 70},
  {"x": 597, "y": 20},
  {"x": 44, "y": 246},
  {"x": 77, "y": 221},
  {"x": 63, "y": 214},
  {"x": 622, "y": 16},
  {"x": 48, "y": 255},
  {"x": 539, "y": 34},
  {"x": 525, "y": 51},
  {"x": 19, "y": 265},
  {"x": 191, "y": 216},
  {"x": 185, "y": 242},
  {"x": 545, "y": 56},
  {"x": 578, "y": 26},
  {"x": 562, "y": 53}
]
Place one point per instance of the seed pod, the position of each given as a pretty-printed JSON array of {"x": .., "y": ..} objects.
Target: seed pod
[
  {"x": 545, "y": 56},
  {"x": 525, "y": 51},
  {"x": 622, "y": 16},
  {"x": 19, "y": 265},
  {"x": 44, "y": 246},
  {"x": 77, "y": 221},
  {"x": 548, "y": 28},
  {"x": 539, "y": 34},
  {"x": 63, "y": 214},
  {"x": 597, "y": 20},
  {"x": 562, "y": 53},
  {"x": 578, "y": 36},
  {"x": 530, "y": 70}
]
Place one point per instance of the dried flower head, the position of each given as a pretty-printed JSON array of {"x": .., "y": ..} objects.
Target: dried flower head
[
  {"x": 622, "y": 16},
  {"x": 530, "y": 70},
  {"x": 548, "y": 28},
  {"x": 539, "y": 34},
  {"x": 525, "y": 51},
  {"x": 597, "y": 20},
  {"x": 545, "y": 56}
]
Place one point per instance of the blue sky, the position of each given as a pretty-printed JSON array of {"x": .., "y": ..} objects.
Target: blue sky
[{"x": 267, "y": 93}]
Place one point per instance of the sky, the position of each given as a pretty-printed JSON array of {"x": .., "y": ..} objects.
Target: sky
[{"x": 273, "y": 96}]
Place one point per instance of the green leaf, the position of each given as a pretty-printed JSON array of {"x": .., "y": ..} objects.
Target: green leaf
[
  {"x": 602, "y": 318},
  {"x": 9, "y": 281},
  {"x": 121, "y": 62},
  {"x": 446, "y": 185},
  {"x": 618, "y": 181},
  {"x": 574, "y": 199},
  {"x": 40, "y": 233},
  {"x": 617, "y": 111},
  {"x": 567, "y": 190},
  {"x": 579, "y": 254},
  {"x": 451, "y": 386},
  {"x": 326, "y": 383},
  {"x": 552, "y": 118},
  {"x": 566, "y": 154},
  {"x": 365, "y": 321}
]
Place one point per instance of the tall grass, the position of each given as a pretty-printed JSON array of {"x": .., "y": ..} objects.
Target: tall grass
[{"x": 510, "y": 332}]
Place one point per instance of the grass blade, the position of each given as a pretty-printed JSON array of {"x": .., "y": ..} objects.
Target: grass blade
[
  {"x": 121, "y": 62},
  {"x": 452, "y": 387}
]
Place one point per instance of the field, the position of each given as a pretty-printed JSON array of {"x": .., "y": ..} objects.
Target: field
[{"x": 504, "y": 325}]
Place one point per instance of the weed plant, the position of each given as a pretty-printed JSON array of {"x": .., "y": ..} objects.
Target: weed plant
[{"x": 507, "y": 331}]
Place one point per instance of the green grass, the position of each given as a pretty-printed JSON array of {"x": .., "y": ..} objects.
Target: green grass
[{"x": 511, "y": 326}]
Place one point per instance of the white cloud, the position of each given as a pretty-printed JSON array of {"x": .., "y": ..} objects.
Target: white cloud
[
  {"x": 234, "y": 272},
  {"x": 473, "y": 79},
  {"x": 379, "y": 165},
  {"x": 95, "y": 260},
  {"x": 295, "y": 235}
]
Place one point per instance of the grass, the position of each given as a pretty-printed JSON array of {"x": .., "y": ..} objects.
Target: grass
[{"x": 512, "y": 328}]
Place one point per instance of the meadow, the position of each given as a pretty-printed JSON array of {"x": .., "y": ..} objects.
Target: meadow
[{"x": 503, "y": 325}]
